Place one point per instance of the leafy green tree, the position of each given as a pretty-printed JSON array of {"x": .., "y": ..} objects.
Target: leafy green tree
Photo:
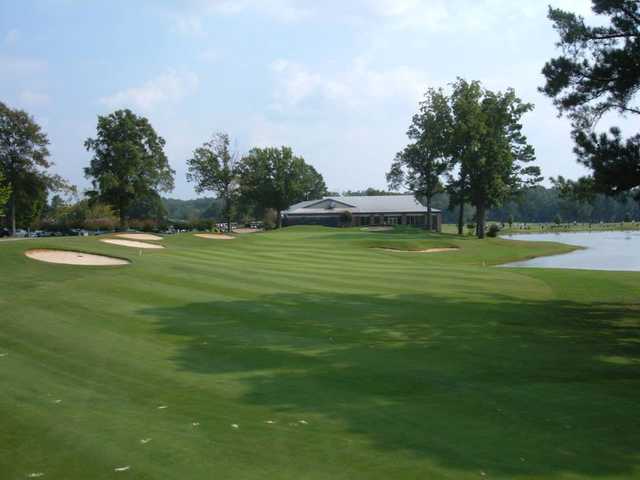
[
  {"x": 599, "y": 72},
  {"x": 24, "y": 161},
  {"x": 557, "y": 219},
  {"x": 215, "y": 168},
  {"x": 5, "y": 191},
  {"x": 147, "y": 207},
  {"x": 128, "y": 162},
  {"x": 421, "y": 164},
  {"x": 368, "y": 192},
  {"x": 275, "y": 178},
  {"x": 488, "y": 144}
]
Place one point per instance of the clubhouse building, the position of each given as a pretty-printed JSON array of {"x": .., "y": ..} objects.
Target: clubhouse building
[{"x": 380, "y": 210}]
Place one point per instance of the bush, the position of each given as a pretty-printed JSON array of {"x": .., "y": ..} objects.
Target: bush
[
  {"x": 493, "y": 231},
  {"x": 270, "y": 219},
  {"x": 471, "y": 228},
  {"x": 346, "y": 218}
]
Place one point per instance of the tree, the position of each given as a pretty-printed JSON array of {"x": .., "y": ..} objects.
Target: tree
[
  {"x": 147, "y": 207},
  {"x": 215, "y": 168},
  {"x": 5, "y": 191},
  {"x": 346, "y": 218},
  {"x": 488, "y": 144},
  {"x": 275, "y": 178},
  {"x": 466, "y": 135},
  {"x": 597, "y": 73},
  {"x": 24, "y": 160},
  {"x": 128, "y": 162},
  {"x": 421, "y": 164}
]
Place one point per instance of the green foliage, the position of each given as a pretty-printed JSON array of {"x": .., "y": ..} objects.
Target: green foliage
[
  {"x": 147, "y": 207},
  {"x": 557, "y": 219},
  {"x": 215, "y": 168},
  {"x": 275, "y": 178},
  {"x": 346, "y": 218},
  {"x": 368, "y": 192},
  {"x": 270, "y": 219},
  {"x": 83, "y": 214},
  {"x": 493, "y": 231},
  {"x": 421, "y": 164},
  {"x": 599, "y": 72},
  {"x": 488, "y": 144},
  {"x": 128, "y": 161},
  {"x": 5, "y": 191},
  {"x": 24, "y": 161}
]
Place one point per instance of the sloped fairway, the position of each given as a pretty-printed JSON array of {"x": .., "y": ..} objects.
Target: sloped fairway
[{"x": 308, "y": 354}]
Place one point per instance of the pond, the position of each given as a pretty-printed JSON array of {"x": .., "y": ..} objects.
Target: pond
[{"x": 618, "y": 251}]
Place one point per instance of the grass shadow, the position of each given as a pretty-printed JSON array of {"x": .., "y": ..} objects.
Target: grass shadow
[{"x": 504, "y": 385}]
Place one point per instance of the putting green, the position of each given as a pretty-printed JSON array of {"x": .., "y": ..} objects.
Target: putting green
[{"x": 312, "y": 353}]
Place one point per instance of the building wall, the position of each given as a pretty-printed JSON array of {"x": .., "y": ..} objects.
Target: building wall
[
  {"x": 333, "y": 220},
  {"x": 324, "y": 220}
]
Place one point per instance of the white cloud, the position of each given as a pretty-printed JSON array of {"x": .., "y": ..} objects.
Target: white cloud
[
  {"x": 465, "y": 16},
  {"x": 192, "y": 19},
  {"x": 356, "y": 86},
  {"x": 169, "y": 87}
]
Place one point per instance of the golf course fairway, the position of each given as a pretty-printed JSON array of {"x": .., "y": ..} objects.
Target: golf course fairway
[{"x": 316, "y": 353}]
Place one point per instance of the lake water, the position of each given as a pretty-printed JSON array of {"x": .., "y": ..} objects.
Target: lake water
[{"x": 618, "y": 251}]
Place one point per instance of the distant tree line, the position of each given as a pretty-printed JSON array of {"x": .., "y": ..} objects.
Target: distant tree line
[{"x": 129, "y": 170}]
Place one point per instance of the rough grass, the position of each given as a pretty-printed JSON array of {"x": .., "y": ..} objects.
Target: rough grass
[{"x": 400, "y": 366}]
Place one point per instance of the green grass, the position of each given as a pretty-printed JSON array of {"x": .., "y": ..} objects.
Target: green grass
[{"x": 402, "y": 365}]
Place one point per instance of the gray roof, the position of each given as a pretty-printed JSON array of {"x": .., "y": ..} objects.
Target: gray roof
[{"x": 362, "y": 205}]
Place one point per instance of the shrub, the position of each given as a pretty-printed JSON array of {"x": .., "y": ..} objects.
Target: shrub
[
  {"x": 346, "y": 218},
  {"x": 493, "y": 231},
  {"x": 270, "y": 219},
  {"x": 471, "y": 228}
]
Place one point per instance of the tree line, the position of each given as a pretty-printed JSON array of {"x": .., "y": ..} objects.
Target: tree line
[
  {"x": 469, "y": 143},
  {"x": 465, "y": 144},
  {"x": 129, "y": 170}
]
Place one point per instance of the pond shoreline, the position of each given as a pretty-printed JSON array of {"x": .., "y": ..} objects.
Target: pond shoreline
[{"x": 603, "y": 250}]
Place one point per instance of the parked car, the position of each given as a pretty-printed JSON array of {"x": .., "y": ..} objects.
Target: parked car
[
  {"x": 4, "y": 232},
  {"x": 21, "y": 233}
]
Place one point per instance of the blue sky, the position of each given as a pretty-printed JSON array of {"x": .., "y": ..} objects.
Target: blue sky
[{"x": 336, "y": 80}]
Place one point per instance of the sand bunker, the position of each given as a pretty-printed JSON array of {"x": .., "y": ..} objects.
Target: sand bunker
[
  {"x": 131, "y": 243},
  {"x": 428, "y": 250},
  {"x": 377, "y": 229},
  {"x": 247, "y": 230},
  {"x": 139, "y": 236},
  {"x": 214, "y": 236},
  {"x": 73, "y": 258}
]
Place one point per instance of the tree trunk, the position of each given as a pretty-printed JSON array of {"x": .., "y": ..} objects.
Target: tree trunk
[
  {"x": 123, "y": 220},
  {"x": 480, "y": 216},
  {"x": 13, "y": 213},
  {"x": 461, "y": 219},
  {"x": 429, "y": 217},
  {"x": 279, "y": 219}
]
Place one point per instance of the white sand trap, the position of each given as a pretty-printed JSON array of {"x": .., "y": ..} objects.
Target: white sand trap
[
  {"x": 214, "y": 236},
  {"x": 428, "y": 250},
  {"x": 131, "y": 243},
  {"x": 73, "y": 258},
  {"x": 377, "y": 229},
  {"x": 247, "y": 230},
  {"x": 139, "y": 236}
]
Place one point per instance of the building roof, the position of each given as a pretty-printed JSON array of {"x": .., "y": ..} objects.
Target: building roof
[{"x": 359, "y": 204}]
